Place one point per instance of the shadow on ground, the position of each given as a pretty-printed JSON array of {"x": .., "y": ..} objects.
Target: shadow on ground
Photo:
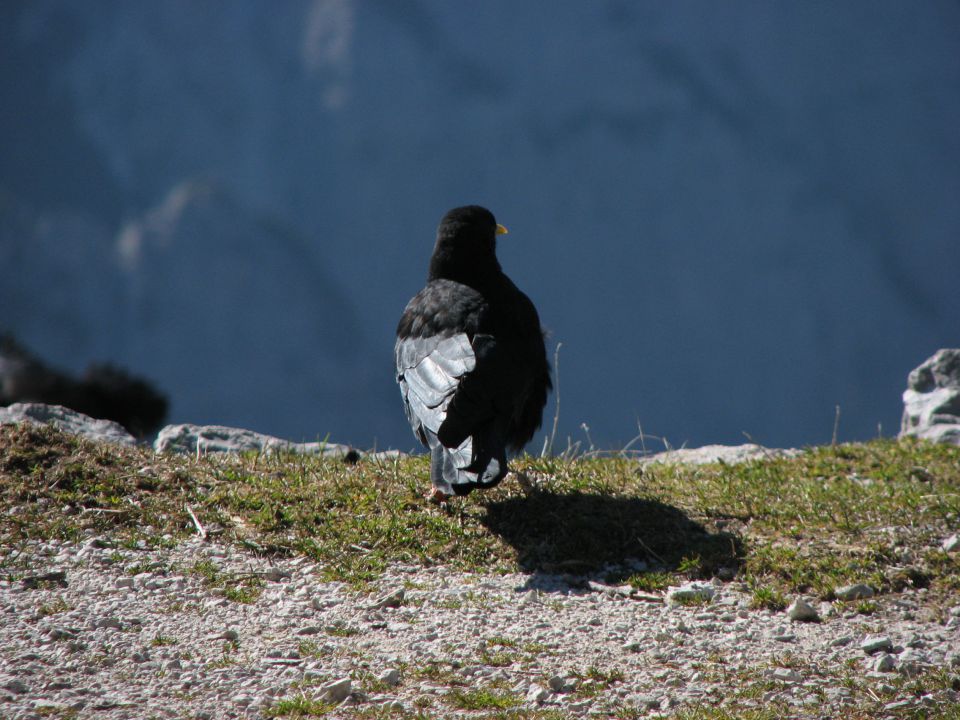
[{"x": 608, "y": 537}]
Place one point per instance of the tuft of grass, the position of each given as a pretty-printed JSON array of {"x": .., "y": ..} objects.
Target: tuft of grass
[
  {"x": 54, "y": 607},
  {"x": 766, "y": 598},
  {"x": 341, "y": 629},
  {"x": 651, "y": 581},
  {"x": 481, "y": 699},
  {"x": 302, "y": 706},
  {"x": 235, "y": 587},
  {"x": 595, "y": 680}
]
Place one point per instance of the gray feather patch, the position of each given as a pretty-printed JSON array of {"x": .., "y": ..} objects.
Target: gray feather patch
[{"x": 429, "y": 371}]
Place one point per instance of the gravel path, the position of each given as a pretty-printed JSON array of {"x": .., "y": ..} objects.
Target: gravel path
[{"x": 81, "y": 635}]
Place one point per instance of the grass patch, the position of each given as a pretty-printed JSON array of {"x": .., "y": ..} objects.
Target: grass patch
[
  {"x": 301, "y": 706},
  {"x": 595, "y": 680},
  {"x": 341, "y": 629},
  {"x": 808, "y": 524},
  {"x": 481, "y": 699},
  {"x": 767, "y": 598},
  {"x": 54, "y": 607},
  {"x": 241, "y": 588}
]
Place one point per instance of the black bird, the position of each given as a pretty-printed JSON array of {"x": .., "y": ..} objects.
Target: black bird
[{"x": 471, "y": 361}]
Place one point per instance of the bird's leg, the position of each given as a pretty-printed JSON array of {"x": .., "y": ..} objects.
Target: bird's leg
[{"x": 436, "y": 496}]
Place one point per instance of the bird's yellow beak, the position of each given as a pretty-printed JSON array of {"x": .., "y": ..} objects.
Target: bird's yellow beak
[{"x": 501, "y": 230}]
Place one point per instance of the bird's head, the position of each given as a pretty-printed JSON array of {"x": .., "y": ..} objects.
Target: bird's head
[{"x": 466, "y": 248}]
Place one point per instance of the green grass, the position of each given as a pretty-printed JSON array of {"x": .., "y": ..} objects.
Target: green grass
[
  {"x": 809, "y": 524},
  {"x": 301, "y": 706},
  {"x": 481, "y": 699},
  {"x": 235, "y": 587}
]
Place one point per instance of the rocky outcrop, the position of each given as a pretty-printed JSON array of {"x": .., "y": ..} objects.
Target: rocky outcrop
[
  {"x": 729, "y": 454},
  {"x": 67, "y": 420},
  {"x": 203, "y": 439},
  {"x": 931, "y": 402}
]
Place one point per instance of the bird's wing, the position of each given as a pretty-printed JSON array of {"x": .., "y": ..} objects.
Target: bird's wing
[
  {"x": 429, "y": 370},
  {"x": 444, "y": 383}
]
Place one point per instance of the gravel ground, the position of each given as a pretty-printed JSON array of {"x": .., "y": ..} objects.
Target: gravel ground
[{"x": 92, "y": 630}]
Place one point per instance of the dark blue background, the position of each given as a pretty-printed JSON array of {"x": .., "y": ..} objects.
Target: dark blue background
[{"x": 733, "y": 216}]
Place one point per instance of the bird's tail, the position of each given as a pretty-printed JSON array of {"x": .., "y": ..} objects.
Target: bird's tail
[{"x": 479, "y": 462}]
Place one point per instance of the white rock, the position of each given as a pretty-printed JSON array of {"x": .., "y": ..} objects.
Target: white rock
[
  {"x": 537, "y": 694},
  {"x": 390, "y": 677},
  {"x": 884, "y": 663},
  {"x": 951, "y": 544},
  {"x": 203, "y": 439},
  {"x": 67, "y": 420},
  {"x": 391, "y": 599},
  {"x": 337, "y": 691},
  {"x": 786, "y": 675},
  {"x": 932, "y": 397},
  {"x": 690, "y": 592},
  {"x": 858, "y": 591},
  {"x": 728, "y": 454},
  {"x": 876, "y": 643},
  {"x": 912, "y": 663},
  {"x": 801, "y": 611}
]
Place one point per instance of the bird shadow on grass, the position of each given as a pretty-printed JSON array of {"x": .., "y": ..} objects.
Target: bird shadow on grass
[{"x": 606, "y": 537}]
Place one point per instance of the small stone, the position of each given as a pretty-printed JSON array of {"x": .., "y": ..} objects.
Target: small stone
[
  {"x": 108, "y": 622},
  {"x": 337, "y": 691},
  {"x": 912, "y": 663},
  {"x": 884, "y": 663},
  {"x": 854, "y": 592},
  {"x": 951, "y": 544},
  {"x": 645, "y": 702},
  {"x": 694, "y": 592},
  {"x": 899, "y": 705},
  {"x": 872, "y": 644},
  {"x": 668, "y": 702},
  {"x": 392, "y": 599},
  {"x": 786, "y": 675},
  {"x": 59, "y": 633},
  {"x": 801, "y": 611},
  {"x": 529, "y": 598},
  {"x": 141, "y": 656},
  {"x": 18, "y": 687},
  {"x": 610, "y": 590},
  {"x": 537, "y": 695},
  {"x": 390, "y": 677}
]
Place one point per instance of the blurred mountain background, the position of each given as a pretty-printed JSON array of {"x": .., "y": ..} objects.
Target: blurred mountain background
[{"x": 734, "y": 217}]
